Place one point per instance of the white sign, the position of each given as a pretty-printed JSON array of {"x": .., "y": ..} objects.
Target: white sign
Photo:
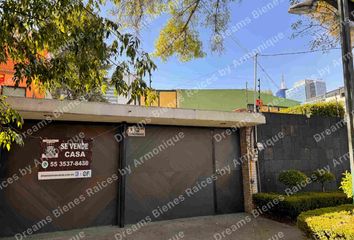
[
  {"x": 64, "y": 159},
  {"x": 135, "y": 131},
  {"x": 64, "y": 174}
]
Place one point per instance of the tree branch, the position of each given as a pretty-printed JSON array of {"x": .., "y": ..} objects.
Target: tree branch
[{"x": 216, "y": 16}]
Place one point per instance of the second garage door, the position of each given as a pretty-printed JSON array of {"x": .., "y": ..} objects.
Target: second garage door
[{"x": 174, "y": 174}]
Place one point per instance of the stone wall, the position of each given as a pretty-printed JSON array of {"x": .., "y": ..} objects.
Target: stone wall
[{"x": 307, "y": 144}]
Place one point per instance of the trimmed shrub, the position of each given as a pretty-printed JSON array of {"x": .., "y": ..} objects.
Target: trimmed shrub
[
  {"x": 347, "y": 184},
  {"x": 323, "y": 178},
  {"x": 293, "y": 205},
  {"x": 326, "y": 109},
  {"x": 291, "y": 178},
  {"x": 328, "y": 223}
]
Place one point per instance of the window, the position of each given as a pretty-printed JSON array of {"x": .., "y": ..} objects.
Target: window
[{"x": 14, "y": 92}]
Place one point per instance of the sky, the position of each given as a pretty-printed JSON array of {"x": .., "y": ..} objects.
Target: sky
[{"x": 270, "y": 28}]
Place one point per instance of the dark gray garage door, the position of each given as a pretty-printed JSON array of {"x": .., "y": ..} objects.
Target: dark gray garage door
[
  {"x": 174, "y": 181},
  {"x": 229, "y": 191},
  {"x": 28, "y": 202}
]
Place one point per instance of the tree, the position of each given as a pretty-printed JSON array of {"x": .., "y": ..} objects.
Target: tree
[
  {"x": 291, "y": 178},
  {"x": 322, "y": 24},
  {"x": 10, "y": 122},
  {"x": 66, "y": 43},
  {"x": 180, "y": 34},
  {"x": 347, "y": 184},
  {"x": 63, "y": 92},
  {"x": 323, "y": 178}
]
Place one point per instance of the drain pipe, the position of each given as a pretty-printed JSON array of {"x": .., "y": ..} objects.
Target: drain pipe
[{"x": 121, "y": 185}]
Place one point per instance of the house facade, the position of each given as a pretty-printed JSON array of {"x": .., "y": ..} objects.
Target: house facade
[{"x": 87, "y": 164}]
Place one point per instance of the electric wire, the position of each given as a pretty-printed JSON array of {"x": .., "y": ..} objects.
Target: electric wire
[{"x": 297, "y": 53}]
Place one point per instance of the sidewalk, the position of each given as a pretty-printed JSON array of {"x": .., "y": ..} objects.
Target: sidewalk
[{"x": 234, "y": 226}]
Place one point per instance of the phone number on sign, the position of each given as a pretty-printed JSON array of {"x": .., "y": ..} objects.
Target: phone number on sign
[{"x": 69, "y": 163}]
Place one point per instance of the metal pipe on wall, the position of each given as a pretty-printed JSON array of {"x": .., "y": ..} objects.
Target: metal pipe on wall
[{"x": 122, "y": 164}]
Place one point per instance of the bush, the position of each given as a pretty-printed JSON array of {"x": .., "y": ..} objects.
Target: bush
[
  {"x": 323, "y": 177},
  {"x": 291, "y": 178},
  {"x": 347, "y": 184},
  {"x": 328, "y": 223},
  {"x": 293, "y": 205},
  {"x": 326, "y": 109}
]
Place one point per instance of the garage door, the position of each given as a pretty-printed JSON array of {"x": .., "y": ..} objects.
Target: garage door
[
  {"x": 174, "y": 174},
  {"x": 52, "y": 205}
]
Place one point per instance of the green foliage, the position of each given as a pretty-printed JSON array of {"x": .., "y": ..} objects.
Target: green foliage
[
  {"x": 322, "y": 25},
  {"x": 67, "y": 44},
  {"x": 323, "y": 178},
  {"x": 291, "y": 178},
  {"x": 180, "y": 35},
  {"x": 326, "y": 109},
  {"x": 293, "y": 205},
  {"x": 63, "y": 92},
  {"x": 328, "y": 223},
  {"x": 167, "y": 46},
  {"x": 347, "y": 184},
  {"x": 10, "y": 121}
]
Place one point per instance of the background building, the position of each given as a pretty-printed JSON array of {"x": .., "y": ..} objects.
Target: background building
[
  {"x": 113, "y": 98},
  {"x": 306, "y": 89},
  {"x": 219, "y": 100},
  {"x": 336, "y": 95},
  {"x": 282, "y": 91},
  {"x": 7, "y": 85}
]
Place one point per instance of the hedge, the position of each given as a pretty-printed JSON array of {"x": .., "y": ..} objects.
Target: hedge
[
  {"x": 293, "y": 205},
  {"x": 328, "y": 109},
  {"x": 328, "y": 223}
]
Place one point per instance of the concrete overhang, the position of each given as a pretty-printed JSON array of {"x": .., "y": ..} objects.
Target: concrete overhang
[{"x": 56, "y": 110}]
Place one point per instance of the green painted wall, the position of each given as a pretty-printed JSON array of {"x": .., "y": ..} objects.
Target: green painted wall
[{"x": 225, "y": 99}]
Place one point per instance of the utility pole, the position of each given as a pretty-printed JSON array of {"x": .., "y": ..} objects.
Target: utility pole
[
  {"x": 255, "y": 82},
  {"x": 259, "y": 95},
  {"x": 255, "y": 127},
  {"x": 347, "y": 58},
  {"x": 247, "y": 95}
]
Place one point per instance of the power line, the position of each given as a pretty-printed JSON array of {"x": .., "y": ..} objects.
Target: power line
[
  {"x": 267, "y": 75},
  {"x": 296, "y": 53},
  {"x": 260, "y": 66}
]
